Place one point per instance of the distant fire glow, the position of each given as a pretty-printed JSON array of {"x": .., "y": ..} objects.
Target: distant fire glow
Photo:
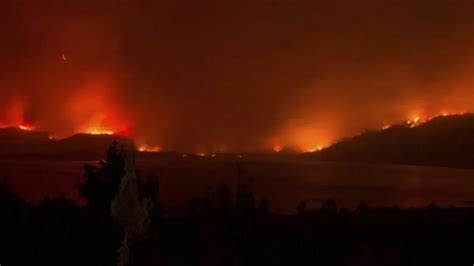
[
  {"x": 118, "y": 129},
  {"x": 147, "y": 148},
  {"x": 277, "y": 148},
  {"x": 15, "y": 116},
  {"x": 417, "y": 120},
  {"x": 26, "y": 127},
  {"x": 98, "y": 131},
  {"x": 299, "y": 139},
  {"x": 307, "y": 75},
  {"x": 95, "y": 111},
  {"x": 414, "y": 120},
  {"x": 314, "y": 149},
  {"x": 101, "y": 127}
]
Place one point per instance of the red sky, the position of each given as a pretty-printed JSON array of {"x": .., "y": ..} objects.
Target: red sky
[{"x": 216, "y": 75}]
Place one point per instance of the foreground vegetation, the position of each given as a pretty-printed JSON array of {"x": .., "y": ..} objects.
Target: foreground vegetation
[{"x": 219, "y": 228}]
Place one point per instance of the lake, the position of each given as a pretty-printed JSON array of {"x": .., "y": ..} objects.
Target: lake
[{"x": 284, "y": 182}]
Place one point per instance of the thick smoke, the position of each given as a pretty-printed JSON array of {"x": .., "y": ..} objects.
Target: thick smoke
[{"x": 233, "y": 75}]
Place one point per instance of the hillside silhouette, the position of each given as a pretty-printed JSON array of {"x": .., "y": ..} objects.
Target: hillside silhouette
[
  {"x": 16, "y": 143},
  {"x": 446, "y": 141},
  {"x": 443, "y": 141}
]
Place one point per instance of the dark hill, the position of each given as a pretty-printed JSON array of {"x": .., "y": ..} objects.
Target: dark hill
[
  {"x": 443, "y": 141},
  {"x": 22, "y": 144},
  {"x": 15, "y": 142},
  {"x": 14, "y": 135},
  {"x": 84, "y": 146}
]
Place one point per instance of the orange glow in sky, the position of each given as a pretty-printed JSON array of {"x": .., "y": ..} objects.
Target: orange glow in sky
[
  {"x": 15, "y": 116},
  {"x": 105, "y": 125},
  {"x": 300, "y": 138},
  {"x": 307, "y": 75},
  {"x": 94, "y": 110}
]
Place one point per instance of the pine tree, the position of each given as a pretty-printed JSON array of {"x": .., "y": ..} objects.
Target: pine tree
[{"x": 126, "y": 209}]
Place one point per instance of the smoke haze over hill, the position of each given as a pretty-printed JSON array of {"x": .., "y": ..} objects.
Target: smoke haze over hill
[{"x": 233, "y": 76}]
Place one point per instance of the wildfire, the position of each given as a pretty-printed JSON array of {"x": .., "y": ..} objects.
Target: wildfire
[
  {"x": 26, "y": 127},
  {"x": 103, "y": 125},
  {"x": 14, "y": 116},
  {"x": 386, "y": 126},
  {"x": 19, "y": 126},
  {"x": 314, "y": 149},
  {"x": 23, "y": 126},
  {"x": 416, "y": 120},
  {"x": 146, "y": 148},
  {"x": 277, "y": 148},
  {"x": 88, "y": 114},
  {"x": 99, "y": 131},
  {"x": 95, "y": 110}
]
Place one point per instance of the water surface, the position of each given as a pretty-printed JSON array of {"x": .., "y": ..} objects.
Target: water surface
[{"x": 283, "y": 181}]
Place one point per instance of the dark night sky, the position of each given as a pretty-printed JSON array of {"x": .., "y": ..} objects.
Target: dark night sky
[{"x": 233, "y": 75}]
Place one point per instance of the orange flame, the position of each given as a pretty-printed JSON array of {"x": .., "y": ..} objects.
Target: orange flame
[
  {"x": 314, "y": 149},
  {"x": 26, "y": 127},
  {"x": 99, "y": 131},
  {"x": 277, "y": 148},
  {"x": 95, "y": 111},
  {"x": 14, "y": 116},
  {"x": 146, "y": 148}
]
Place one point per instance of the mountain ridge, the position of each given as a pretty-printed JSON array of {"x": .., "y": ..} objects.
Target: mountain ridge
[{"x": 446, "y": 141}]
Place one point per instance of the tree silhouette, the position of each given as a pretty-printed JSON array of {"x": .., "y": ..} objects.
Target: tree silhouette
[
  {"x": 127, "y": 210},
  {"x": 245, "y": 200},
  {"x": 102, "y": 182}
]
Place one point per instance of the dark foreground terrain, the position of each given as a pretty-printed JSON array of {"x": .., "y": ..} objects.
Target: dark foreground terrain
[
  {"x": 59, "y": 233},
  {"x": 223, "y": 228}
]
